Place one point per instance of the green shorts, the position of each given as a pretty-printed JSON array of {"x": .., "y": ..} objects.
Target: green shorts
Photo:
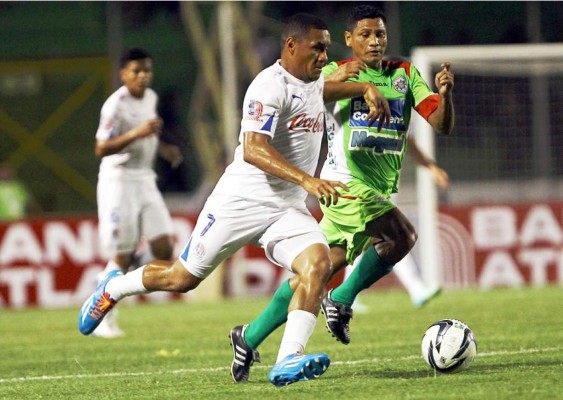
[{"x": 345, "y": 223}]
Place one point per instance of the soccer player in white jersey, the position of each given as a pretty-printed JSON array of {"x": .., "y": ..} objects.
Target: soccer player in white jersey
[
  {"x": 261, "y": 197},
  {"x": 129, "y": 203},
  {"x": 369, "y": 162}
]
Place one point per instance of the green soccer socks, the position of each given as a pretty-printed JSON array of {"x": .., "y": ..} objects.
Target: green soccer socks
[
  {"x": 271, "y": 318},
  {"x": 369, "y": 270}
]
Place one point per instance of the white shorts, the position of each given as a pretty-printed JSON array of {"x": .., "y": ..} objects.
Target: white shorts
[
  {"x": 225, "y": 225},
  {"x": 129, "y": 210}
]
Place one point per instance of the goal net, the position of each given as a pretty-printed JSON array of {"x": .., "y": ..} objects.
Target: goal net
[{"x": 507, "y": 145}]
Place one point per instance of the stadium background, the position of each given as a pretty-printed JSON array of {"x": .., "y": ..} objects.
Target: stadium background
[{"x": 58, "y": 64}]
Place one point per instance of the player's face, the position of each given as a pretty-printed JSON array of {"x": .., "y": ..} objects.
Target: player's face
[
  {"x": 311, "y": 54},
  {"x": 137, "y": 76},
  {"x": 368, "y": 41}
]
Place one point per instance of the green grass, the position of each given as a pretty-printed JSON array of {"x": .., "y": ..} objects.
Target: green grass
[{"x": 180, "y": 350}]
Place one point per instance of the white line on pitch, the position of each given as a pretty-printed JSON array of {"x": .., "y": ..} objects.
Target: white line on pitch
[{"x": 203, "y": 370}]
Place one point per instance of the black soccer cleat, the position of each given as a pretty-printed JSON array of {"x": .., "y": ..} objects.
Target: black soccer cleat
[
  {"x": 243, "y": 355},
  {"x": 337, "y": 317}
]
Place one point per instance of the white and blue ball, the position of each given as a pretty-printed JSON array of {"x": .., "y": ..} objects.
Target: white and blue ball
[{"x": 449, "y": 346}]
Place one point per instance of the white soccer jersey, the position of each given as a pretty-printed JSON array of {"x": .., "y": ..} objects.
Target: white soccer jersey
[
  {"x": 120, "y": 113},
  {"x": 291, "y": 112}
]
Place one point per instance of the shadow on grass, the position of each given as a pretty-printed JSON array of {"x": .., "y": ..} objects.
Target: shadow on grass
[
  {"x": 368, "y": 373},
  {"x": 474, "y": 369}
]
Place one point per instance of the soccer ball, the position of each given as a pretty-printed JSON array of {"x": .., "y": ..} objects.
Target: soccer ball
[{"x": 449, "y": 346}]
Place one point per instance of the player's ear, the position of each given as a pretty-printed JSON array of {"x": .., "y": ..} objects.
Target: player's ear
[
  {"x": 122, "y": 74},
  {"x": 348, "y": 38},
  {"x": 290, "y": 44}
]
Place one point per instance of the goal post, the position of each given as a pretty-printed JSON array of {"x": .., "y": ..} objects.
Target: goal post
[{"x": 508, "y": 132}]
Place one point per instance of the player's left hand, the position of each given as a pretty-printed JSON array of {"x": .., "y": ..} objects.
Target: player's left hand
[
  {"x": 440, "y": 176},
  {"x": 444, "y": 79},
  {"x": 324, "y": 190},
  {"x": 378, "y": 107},
  {"x": 171, "y": 153}
]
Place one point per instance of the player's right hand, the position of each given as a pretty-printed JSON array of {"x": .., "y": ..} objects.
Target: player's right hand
[
  {"x": 346, "y": 71},
  {"x": 150, "y": 127},
  {"x": 324, "y": 190},
  {"x": 378, "y": 107}
]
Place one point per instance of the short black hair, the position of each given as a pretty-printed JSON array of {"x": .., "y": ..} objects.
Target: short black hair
[
  {"x": 299, "y": 25},
  {"x": 132, "y": 55},
  {"x": 363, "y": 11}
]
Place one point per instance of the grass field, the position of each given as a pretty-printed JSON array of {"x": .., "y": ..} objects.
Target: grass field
[{"x": 181, "y": 351}]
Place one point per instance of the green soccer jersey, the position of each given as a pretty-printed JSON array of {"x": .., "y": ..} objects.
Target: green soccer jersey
[{"x": 357, "y": 152}]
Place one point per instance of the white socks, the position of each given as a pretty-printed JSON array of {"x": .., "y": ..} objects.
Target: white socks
[
  {"x": 110, "y": 266},
  {"x": 298, "y": 329},
  {"x": 127, "y": 285},
  {"x": 408, "y": 274}
]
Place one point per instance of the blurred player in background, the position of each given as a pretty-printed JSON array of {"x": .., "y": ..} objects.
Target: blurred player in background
[
  {"x": 130, "y": 206},
  {"x": 261, "y": 198},
  {"x": 406, "y": 270},
  {"x": 368, "y": 161},
  {"x": 16, "y": 200}
]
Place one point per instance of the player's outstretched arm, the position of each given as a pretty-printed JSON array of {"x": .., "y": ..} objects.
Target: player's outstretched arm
[
  {"x": 378, "y": 105},
  {"x": 442, "y": 120},
  {"x": 259, "y": 152}
]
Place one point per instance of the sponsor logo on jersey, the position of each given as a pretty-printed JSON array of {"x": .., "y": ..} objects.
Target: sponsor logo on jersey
[
  {"x": 400, "y": 84},
  {"x": 304, "y": 122},
  {"x": 199, "y": 251},
  {"x": 359, "y": 111},
  {"x": 363, "y": 139},
  {"x": 254, "y": 111}
]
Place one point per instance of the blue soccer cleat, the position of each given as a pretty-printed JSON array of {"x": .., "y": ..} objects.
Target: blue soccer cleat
[
  {"x": 97, "y": 306},
  {"x": 298, "y": 367}
]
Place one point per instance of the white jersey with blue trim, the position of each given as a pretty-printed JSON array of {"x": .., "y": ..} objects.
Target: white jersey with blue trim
[
  {"x": 120, "y": 113},
  {"x": 291, "y": 112}
]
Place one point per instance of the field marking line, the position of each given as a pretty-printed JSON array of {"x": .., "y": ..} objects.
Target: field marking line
[{"x": 217, "y": 369}]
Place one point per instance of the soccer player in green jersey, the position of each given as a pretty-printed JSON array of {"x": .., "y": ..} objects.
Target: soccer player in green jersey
[{"x": 368, "y": 161}]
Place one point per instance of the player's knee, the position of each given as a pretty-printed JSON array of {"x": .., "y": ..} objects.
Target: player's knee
[
  {"x": 313, "y": 264},
  {"x": 404, "y": 243},
  {"x": 320, "y": 267},
  {"x": 180, "y": 280},
  {"x": 162, "y": 248}
]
